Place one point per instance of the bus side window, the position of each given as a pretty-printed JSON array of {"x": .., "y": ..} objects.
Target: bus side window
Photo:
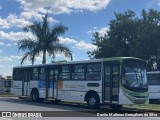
[
  {"x": 55, "y": 74},
  {"x": 18, "y": 74},
  {"x": 93, "y": 71},
  {"x": 78, "y": 72},
  {"x": 35, "y": 74},
  {"x": 42, "y": 74},
  {"x": 51, "y": 75},
  {"x": 65, "y": 73},
  {"x": 153, "y": 79}
]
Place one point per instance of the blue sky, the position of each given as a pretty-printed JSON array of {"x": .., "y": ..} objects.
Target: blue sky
[{"x": 82, "y": 17}]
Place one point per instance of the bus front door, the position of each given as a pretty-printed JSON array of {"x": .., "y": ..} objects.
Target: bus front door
[
  {"x": 26, "y": 82},
  {"x": 111, "y": 83},
  {"x": 52, "y": 83}
]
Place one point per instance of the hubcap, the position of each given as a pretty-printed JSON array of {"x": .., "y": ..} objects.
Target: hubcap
[
  {"x": 35, "y": 96},
  {"x": 92, "y": 101}
]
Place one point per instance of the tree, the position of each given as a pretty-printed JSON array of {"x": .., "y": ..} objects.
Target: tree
[
  {"x": 119, "y": 40},
  {"x": 130, "y": 35},
  {"x": 46, "y": 41}
]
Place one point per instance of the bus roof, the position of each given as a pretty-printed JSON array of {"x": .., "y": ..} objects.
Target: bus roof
[
  {"x": 77, "y": 62},
  {"x": 153, "y": 72},
  {"x": 120, "y": 58}
]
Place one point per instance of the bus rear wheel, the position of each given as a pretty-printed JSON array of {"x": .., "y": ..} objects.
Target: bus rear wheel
[
  {"x": 93, "y": 101},
  {"x": 35, "y": 96}
]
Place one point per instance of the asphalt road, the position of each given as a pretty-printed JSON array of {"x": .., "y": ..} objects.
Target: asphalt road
[{"x": 62, "y": 110}]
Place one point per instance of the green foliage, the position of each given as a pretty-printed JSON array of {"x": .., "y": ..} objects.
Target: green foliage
[
  {"x": 46, "y": 41},
  {"x": 130, "y": 35},
  {"x": 59, "y": 61}
]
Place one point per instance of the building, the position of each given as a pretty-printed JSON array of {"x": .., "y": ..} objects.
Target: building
[
  {"x": 8, "y": 84},
  {"x": 2, "y": 82}
]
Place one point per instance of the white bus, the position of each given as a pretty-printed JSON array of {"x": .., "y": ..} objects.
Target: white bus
[
  {"x": 115, "y": 81},
  {"x": 154, "y": 85}
]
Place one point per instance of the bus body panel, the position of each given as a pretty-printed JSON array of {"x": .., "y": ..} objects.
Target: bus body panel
[
  {"x": 33, "y": 84},
  {"x": 42, "y": 93},
  {"x": 123, "y": 99},
  {"x": 154, "y": 85},
  {"x": 130, "y": 97},
  {"x": 154, "y": 92},
  {"x": 17, "y": 88},
  {"x": 76, "y": 90}
]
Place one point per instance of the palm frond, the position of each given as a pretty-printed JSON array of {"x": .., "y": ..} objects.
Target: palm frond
[
  {"x": 26, "y": 44},
  {"x": 60, "y": 48},
  {"x": 27, "y": 56},
  {"x": 56, "y": 31},
  {"x": 30, "y": 55}
]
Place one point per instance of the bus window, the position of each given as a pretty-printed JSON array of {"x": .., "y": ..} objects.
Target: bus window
[
  {"x": 35, "y": 74},
  {"x": 18, "y": 74},
  {"x": 153, "y": 79},
  {"x": 53, "y": 75},
  {"x": 78, "y": 72},
  {"x": 65, "y": 73},
  {"x": 116, "y": 75},
  {"x": 42, "y": 74},
  {"x": 93, "y": 72}
]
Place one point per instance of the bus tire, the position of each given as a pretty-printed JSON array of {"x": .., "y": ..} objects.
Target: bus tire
[
  {"x": 93, "y": 101},
  {"x": 35, "y": 95}
]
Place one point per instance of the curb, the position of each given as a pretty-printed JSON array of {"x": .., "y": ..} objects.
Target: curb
[{"x": 143, "y": 109}]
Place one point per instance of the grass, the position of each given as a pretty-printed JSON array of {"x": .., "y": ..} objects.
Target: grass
[
  {"x": 145, "y": 106},
  {"x": 7, "y": 95}
]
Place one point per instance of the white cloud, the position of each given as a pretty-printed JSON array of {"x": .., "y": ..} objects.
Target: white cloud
[
  {"x": 4, "y": 23},
  {"x": 67, "y": 40},
  {"x": 2, "y": 43},
  {"x": 85, "y": 46},
  {"x": 35, "y": 9},
  {"x": 23, "y": 20},
  {"x": 90, "y": 5},
  {"x": 15, "y": 36},
  {"x": 27, "y": 15},
  {"x": 158, "y": 2},
  {"x": 8, "y": 45},
  {"x": 1, "y": 66},
  {"x": 1, "y": 51},
  {"x": 102, "y": 31},
  {"x": 9, "y": 58},
  {"x": 14, "y": 20},
  {"x": 62, "y": 6},
  {"x": 15, "y": 57},
  {"x": 15, "y": 44},
  {"x": 5, "y": 59}
]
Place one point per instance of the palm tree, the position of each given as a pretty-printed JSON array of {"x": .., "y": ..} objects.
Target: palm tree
[{"x": 46, "y": 41}]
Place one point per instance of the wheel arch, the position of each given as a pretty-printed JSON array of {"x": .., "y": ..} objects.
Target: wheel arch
[
  {"x": 89, "y": 93},
  {"x": 33, "y": 89}
]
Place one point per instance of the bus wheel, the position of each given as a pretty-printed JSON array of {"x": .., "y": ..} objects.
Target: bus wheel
[
  {"x": 35, "y": 96},
  {"x": 93, "y": 101}
]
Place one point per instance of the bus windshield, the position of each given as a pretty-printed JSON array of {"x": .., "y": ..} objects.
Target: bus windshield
[{"x": 134, "y": 75}]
